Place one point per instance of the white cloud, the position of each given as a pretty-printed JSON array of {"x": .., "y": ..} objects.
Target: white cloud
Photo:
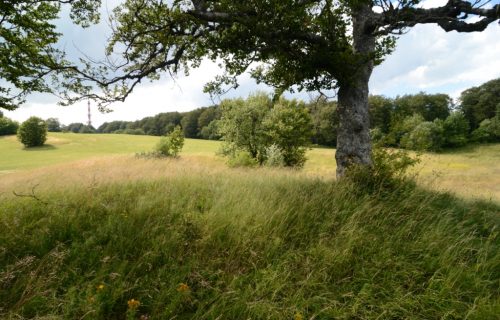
[{"x": 429, "y": 59}]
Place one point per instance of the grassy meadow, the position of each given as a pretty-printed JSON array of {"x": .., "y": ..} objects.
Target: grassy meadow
[
  {"x": 471, "y": 172},
  {"x": 99, "y": 234}
]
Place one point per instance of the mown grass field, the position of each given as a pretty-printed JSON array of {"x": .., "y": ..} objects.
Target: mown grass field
[
  {"x": 471, "y": 172},
  {"x": 96, "y": 233}
]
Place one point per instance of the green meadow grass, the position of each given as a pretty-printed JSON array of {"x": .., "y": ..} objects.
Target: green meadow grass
[
  {"x": 64, "y": 147},
  {"x": 246, "y": 244}
]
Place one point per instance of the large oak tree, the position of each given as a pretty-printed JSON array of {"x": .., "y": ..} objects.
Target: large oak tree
[{"x": 302, "y": 44}]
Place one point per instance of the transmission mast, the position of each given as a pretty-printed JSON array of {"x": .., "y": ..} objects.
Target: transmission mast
[{"x": 89, "y": 123}]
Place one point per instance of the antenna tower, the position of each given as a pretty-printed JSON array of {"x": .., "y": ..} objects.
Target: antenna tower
[{"x": 89, "y": 123}]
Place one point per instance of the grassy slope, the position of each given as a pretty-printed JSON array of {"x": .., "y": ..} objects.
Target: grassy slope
[
  {"x": 64, "y": 147},
  {"x": 250, "y": 244},
  {"x": 470, "y": 172}
]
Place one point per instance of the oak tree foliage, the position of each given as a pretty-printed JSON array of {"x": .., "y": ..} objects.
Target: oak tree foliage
[{"x": 29, "y": 58}]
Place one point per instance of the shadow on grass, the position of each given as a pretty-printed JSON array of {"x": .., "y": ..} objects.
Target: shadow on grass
[
  {"x": 45, "y": 147},
  {"x": 469, "y": 148}
]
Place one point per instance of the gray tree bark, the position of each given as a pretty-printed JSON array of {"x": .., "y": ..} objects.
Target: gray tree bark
[{"x": 353, "y": 136}]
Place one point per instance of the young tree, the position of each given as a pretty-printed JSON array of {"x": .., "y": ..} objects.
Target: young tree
[
  {"x": 456, "y": 129},
  {"x": 241, "y": 125},
  {"x": 171, "y": 145},
  {"x": 324, "y": 120},
  {"x": 28, "y": 56},
  {"x": 288, "y": 126},
  {"x": 310, "y": 44}
]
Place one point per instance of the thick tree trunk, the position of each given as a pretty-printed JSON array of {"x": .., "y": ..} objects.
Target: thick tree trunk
[{"x": 353, "y": 136}]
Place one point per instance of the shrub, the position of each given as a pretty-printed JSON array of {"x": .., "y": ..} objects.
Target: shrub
[
  {"x": 274, "y": 157},
  {"x": 427, "y": 136},
  {"x": 8, "y": 126},
  {"x": 32, "y": 132},
  {"x": 388, "y": 172},
  {"x": 488, "y": 131},
  {"x": 401, "y": 129},
  {"x": 242, "y": 159},
  {"x": 171, "y": 145}
]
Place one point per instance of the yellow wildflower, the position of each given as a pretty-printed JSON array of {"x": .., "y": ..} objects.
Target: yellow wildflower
[
  {"x": 133, "y": 304},
  {"x": 183, "y": 287},
  {"x": 100, "y": 287},
  {"x": 298, "y": 316}
]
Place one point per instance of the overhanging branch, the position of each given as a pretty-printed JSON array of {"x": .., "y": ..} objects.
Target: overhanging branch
[{"x": 450, "y": 17}]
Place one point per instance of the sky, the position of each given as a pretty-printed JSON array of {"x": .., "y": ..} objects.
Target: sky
[{"x": 425, "y": 59}]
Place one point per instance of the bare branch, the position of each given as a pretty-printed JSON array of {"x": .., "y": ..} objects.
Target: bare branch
[
  {"x": 450, "y": 17},
  {"x": 32, "y": 195}
]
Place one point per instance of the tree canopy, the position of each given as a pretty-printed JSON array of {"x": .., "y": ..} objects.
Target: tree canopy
[
  {"x": 29, "y": 58},
  {"x": 481, "y": 102},
  {"x": 309, "y": 44}
]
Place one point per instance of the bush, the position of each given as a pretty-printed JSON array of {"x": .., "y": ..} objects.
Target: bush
[
  {"x": 387, "y": 173},
  {"x": 488, "y": 131},
  {"x": 274, "y": 157},
  {"x": 427, "y": 136},
  {"x": 171, "y": 145},
  {"x": 242, "y": 159},
  {"x": 8, "y": 126},
  {"x": 33, "y": 132}
]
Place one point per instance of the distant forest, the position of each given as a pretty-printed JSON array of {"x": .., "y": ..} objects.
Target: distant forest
[{"x": 420, "y": 121}]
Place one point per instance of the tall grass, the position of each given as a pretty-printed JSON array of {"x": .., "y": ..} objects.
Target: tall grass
[{"x": 235, "y": 244}]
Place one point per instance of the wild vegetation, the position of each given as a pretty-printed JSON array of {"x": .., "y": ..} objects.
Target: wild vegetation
[{"x": 183, "y": 240}]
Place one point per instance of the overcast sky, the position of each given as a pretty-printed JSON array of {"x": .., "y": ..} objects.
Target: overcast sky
[{"x": 426, "y": 59}]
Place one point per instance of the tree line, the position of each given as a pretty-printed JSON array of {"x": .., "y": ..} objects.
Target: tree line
[{"x": 420, "y": 121}]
